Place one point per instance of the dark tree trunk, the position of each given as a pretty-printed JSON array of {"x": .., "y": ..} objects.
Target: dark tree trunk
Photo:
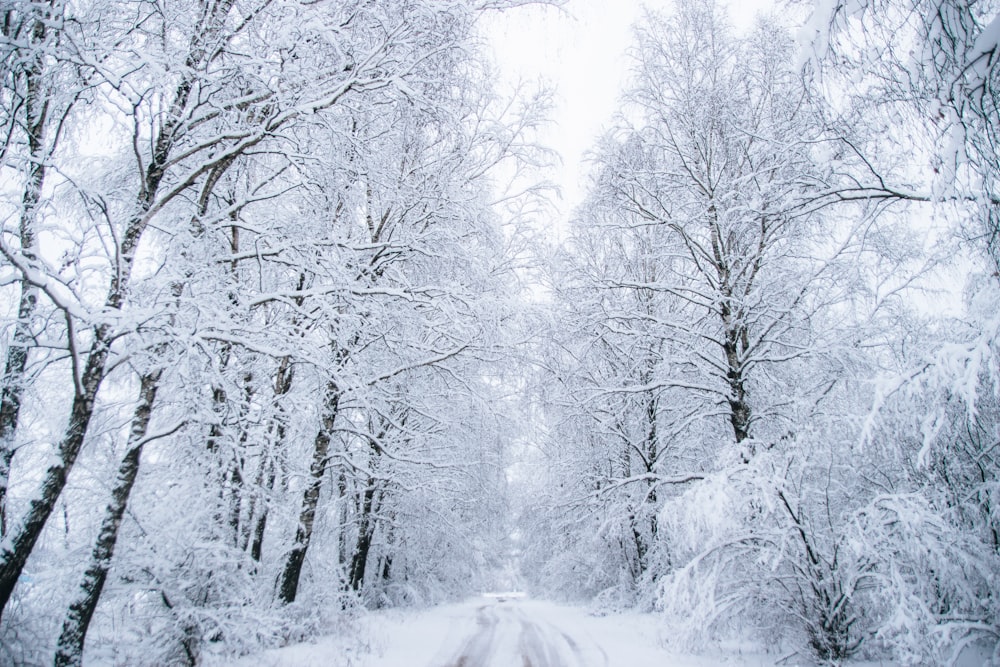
[
  {"x": 69, "y": 650},
  {"x": 20, "y": 545},
  {"x": 238, "y": 493},
  {"x": 739, "y": 408},
  {"x": 36, "y": 112},
  {"x": 385, "y": 571},
  {"x": 260, "y": 522},
  {"x": 366, "y": 530},
  {"x": 736, "y": 338},
  {"x": 343, "y": 505},
  {"x": 17, "y": 550},
  {"x": 289, "y": 585},
  {"x": 258, "y": 516}
]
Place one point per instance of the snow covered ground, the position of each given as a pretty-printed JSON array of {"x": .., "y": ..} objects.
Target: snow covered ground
[
  {"x": 500, "y": 630},
  {"x": 510, "y": 630}
]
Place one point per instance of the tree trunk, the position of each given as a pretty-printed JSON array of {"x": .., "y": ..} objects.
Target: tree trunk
[
  {"x": 18, "y": 545},
  {"x": 366, "y": 529},
  {"x": 739, "y": 408},
  {"x": 342, "y": 512},
  {"x": 36, "y": 111},
  {"x": 260, "y": 522},
  {"x": 310, "y": 498},
  {"x": 736, "y": 343},
  {"x": 234, "y": 478},
  {"x": 69, "y": 650},
  {"x": 257, "y": 519}
]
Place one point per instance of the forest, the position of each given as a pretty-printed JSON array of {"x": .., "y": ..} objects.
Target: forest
[{"x": 286, "y": 338}]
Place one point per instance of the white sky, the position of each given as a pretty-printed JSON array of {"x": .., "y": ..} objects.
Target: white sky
[{"x": 581, "y": 50}]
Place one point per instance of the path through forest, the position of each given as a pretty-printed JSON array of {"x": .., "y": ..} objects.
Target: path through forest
[{"x": 500, "y": 630}]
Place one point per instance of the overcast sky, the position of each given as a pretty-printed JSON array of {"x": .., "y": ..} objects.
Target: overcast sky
[{"x": 581, "y": 50}]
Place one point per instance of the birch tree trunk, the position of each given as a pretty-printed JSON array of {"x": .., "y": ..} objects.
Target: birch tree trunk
[
  {"x": 69, "y": 650},
  {"x": 20, "y": 542},
  {"x": 289, "y": 586},
  {"x": 36, "y": 118}
]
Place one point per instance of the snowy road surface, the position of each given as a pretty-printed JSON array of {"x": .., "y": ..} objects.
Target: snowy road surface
[
  {"x": 510, "y": 631},
  {"x": 507, "y": 633},
  {"x": 498, "y": 631}
]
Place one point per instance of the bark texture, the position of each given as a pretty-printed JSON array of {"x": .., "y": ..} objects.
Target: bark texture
[
  {"x": 69, "y": 650},
  {"x": 289, "y": 586}
]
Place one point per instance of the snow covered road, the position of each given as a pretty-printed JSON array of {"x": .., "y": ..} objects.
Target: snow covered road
[
  {"x": 511, "y": 631},
  {"x": 508, "y": 634},
  {"x": 498, "y": 630}
]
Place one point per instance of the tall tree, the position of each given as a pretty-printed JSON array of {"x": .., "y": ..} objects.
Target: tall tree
[
  {"x": 37, "y": 63},
  {"x": 707, "y": 297},
  {"x": 284, "y": 272},
  {"x": 930, "y": 73},
  {"x": 214, "y": 115}
]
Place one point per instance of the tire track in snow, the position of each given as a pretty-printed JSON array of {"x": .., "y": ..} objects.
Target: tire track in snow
[
  {"x": 477, "y": 648},
  {"x": 507, "y": 636}
]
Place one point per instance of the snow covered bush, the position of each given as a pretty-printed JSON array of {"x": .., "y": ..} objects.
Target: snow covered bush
[{"x": 762, "y": 550}]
